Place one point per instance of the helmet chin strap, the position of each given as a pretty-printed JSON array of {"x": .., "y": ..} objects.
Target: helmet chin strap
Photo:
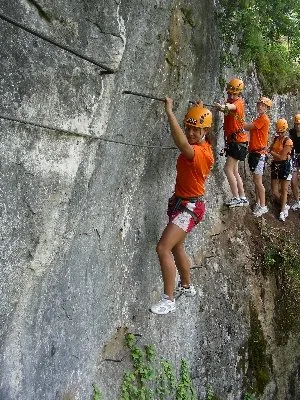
[{"x": 202, "y": 137}]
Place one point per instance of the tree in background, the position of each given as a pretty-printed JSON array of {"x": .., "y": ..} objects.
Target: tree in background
[{"x": 265, "y": 34}]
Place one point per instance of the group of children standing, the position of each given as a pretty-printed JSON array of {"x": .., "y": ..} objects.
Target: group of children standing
[
  {"x": 284, "y": 150},
  {"x": 186, "y": 207}
]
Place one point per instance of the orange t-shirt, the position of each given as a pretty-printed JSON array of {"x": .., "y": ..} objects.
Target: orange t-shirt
[
  {"x": 278, "y": 146},
  {"x": 259, "y": 135},
  {"x": 192, "y": 174},
  {"x": 234, "y": 122}
]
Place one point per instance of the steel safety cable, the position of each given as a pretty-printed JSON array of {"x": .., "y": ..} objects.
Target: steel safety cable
[
  {"x": 51, "y": 128},
  {"x": 107, "y": 70}
]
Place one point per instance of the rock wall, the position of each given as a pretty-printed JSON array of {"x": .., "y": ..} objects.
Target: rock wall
[{"x": 81, "y": 212}]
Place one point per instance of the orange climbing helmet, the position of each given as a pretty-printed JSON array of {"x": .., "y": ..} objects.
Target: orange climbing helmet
[
  {"x": 297, "y": 119},
  {"x": 281, "y": 125},
  {"x": 235, "y": 86},
  {"x": 198, "y": 117},
  {"x": 265, "y": 100}
]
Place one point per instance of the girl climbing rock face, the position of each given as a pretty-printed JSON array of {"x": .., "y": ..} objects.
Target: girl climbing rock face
[{"x": 186, "y": 207}]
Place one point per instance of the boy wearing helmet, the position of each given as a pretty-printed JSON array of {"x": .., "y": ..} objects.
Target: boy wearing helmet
[
  {"x": 281, "y": 168},
  {"x": 186, "y": 208},
  {"x": 295, "y": 136},
  {"x": 235, "y": 140},
  {"x": 258, "y": 149}
]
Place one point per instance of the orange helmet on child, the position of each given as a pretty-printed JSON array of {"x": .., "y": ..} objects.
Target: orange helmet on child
[
  {"x": 265, "y": 100},
  {"x": 235, "y": 86},
  {"x": 281, "y": 125},
  {"x": 198, "y": 117},
  {"x": 297, "y": 119}
]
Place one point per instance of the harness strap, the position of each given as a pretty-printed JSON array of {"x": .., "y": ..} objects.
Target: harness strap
[
  {"x": 180, "y": 206},
  {"x": 191, "y": 199},
  {"x": 195, "y": 218},
  {"x": 232, "y": 136}
]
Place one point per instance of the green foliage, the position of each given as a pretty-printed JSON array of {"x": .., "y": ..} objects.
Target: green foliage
[
  {"x": 281, "y": 259},
  {"x": 249, "y": 396},
  {"x": 96, "y": 393},
  {"x": 210, "y": 394},
  {"x": 259, "y": 363},
  {"x": 185, "y": 388},
  {"x": 154, "y": 379},
  {"x": 281, "y": 253},
  {"x": 267, "y": 35}
]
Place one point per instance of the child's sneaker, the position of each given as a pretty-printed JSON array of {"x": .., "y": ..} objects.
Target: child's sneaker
[
  {"x": 234, "y": 202},
  {"x": 256, "y": 208},
  {"x": 244, "y": 201},
  {"x": 164, "y": 306},
  {"x": 260, "y": 211},
  {"x": 282, "y": 216},
  {"x": 296, "y": 206},
  {"x": 188, "y": 292},
  {"x": 286, "y": 210}
]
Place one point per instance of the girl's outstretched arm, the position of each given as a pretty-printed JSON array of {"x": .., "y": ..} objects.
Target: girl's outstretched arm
[{"x": 177, "y": 133}]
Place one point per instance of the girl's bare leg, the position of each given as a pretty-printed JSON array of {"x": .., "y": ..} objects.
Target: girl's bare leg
[
  {"x": 229, "y": 169},
  {"x": 284, "y": 192},
  {"x": 259, "y": 190},
  {"x": 182, "y": 263},
  {"x": 239, "y": 182},
  {"x": 275, "y": 190},
  {"x": 171, "y": 236}
]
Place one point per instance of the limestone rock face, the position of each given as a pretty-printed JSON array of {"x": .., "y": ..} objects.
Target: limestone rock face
[{"x": 83, "y": 201}]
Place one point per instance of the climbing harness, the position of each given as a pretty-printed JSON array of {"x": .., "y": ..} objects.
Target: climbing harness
[
  {"x": 107, "y": 70},
  {"x": 281, "y": 169},
  {"x": 178, "y": 203},
  {"x": 237, "y": 150},
  {"x": 233, "y": 136},
  {"x": 253, "y": 160}
]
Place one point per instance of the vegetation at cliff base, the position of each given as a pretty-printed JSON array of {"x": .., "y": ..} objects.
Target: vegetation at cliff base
[
  {"x": 265, "y": 34},
  {"x": 281, "y": 258},
  {"x": 154, "y": 379}
]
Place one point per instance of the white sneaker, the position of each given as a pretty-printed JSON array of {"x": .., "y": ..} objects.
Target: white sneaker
[
  {"x": 256, "y": 208},
  {"x": 282, "y": 216},
  {"x": 245, "y": 201},
  {"x": 286, "y": 210},
  {"x": 260, "y": 211},
  {"x": 234, "y": 202},
  {"x": 164, "y": 306},
  {"x": 296, "y": 206},
  {"x": 188, "y": 292}
]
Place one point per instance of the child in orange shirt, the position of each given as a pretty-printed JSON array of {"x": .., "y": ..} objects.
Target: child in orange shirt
[
  {"x": 281, "y": 168},
  {"x": 186, "y": 207},
  {"x": 258, "y": 149},
  {"x": 235, "y": 140}
]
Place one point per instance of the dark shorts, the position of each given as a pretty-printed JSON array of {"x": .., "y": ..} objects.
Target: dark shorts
[
  {"x": 281, "y": 170},
  {"x": 179, "y": 216},
  {"x": 237, "y": 151},
  {"x": 257, "y": 163}
]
